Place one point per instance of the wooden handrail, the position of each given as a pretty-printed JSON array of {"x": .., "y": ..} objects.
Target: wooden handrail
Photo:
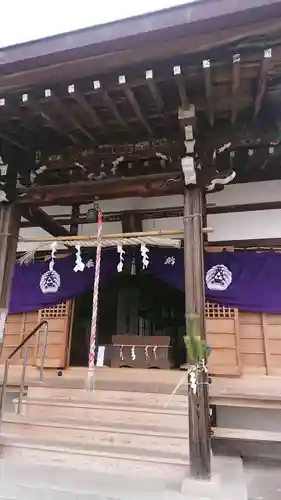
[{"x": 35, "y": 330}]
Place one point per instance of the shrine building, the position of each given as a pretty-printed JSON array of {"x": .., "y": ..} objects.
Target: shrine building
[{"x": 131, "y": 119}]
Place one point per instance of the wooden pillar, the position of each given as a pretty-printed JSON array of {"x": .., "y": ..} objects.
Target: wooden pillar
[
  {"x": 198, "y": 403},
  {"x": 9, "y": 231}
]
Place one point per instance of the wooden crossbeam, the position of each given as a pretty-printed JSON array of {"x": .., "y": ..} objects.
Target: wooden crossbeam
[
  {"x": 235, "y": 86},
  {"x": 209, "y": 90},
  {"x": 86, "y": 191},
  {"x": 264, "y": 68},
  {"x": 38, "y": 217}
]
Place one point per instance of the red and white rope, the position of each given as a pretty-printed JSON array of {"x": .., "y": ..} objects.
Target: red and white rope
[{"x": 92, "y": 350}]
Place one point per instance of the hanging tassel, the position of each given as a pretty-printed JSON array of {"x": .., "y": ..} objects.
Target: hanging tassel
[
  {"x": 145, "y": 257},
  {"x": 80, "y": 266},
  {"x": 50, "y": 281},
  {"x": 121, "y": 258}
]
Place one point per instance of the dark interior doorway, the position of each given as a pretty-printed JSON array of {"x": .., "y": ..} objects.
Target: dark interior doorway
[{"x": 140, "y": 304}]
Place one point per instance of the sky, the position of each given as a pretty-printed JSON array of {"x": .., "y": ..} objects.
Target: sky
[{"x": 33, "y": 19}]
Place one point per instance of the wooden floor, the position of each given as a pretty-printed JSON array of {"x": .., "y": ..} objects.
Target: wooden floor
[{"x": 249, "y": 390}]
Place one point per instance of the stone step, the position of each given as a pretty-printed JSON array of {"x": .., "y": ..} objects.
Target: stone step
[
  {"x": 108, "y": 413},
  {"x": 139, "y": 399},
  {"x": 134, "y": 462},
  {"x": 88, "y": 432},
  {"x": 63, "y": 478},
  {"x": 28, "y": 492}
]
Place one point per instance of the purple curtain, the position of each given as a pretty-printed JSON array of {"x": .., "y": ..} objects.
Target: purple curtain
[
  {"x": 245, "y": 280},
  {"x": 35, "y": 287}
]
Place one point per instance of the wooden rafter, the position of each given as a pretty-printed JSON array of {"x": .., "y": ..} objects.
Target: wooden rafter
[
  {"x": 14, "y": 141},
  {"x": 38, "y": 109},
  {"x": 180, "y": 82},
  {"x": 235, "y": 86},
  {"x": 113, "y": 109},
  {"x": 63, "y": 110},
  {"x": 264, "y": 68},
  {"x": 134, "y": 104},
  {"x": 82, "y": 101},
  {"x": 156, "y": 94},
  {"x": 209, "y": 90}
]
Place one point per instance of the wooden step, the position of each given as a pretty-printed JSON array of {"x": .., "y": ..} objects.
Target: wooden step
[
  {"x": 98, "y": 434},
  {"x": 102, "y": 459},
  {"x": 177, "y": 402},
  {"x": 247, "y": 435},
  {"x": 108, "y": 413}
]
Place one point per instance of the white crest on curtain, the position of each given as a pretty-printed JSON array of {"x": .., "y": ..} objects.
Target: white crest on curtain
[
  {"x": 121, "y": 258},
  {"x": 145, "y": 256},
  {"x": 50, "y": 281},
  {"x": 218, "y": 278},
  {"x": 80, "y": 266},
  {"x": 170, "y": 261}
]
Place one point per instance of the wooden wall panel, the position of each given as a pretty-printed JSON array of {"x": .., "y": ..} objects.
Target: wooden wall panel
[
  {"x": 272, "y": 342},
  {"x": 222, "y": 336},
  {"x": 18, "y": 326},
  {"x": 252, "y": 343}
]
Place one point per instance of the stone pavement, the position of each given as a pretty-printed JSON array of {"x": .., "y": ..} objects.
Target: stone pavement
[{"x": 263, "y": 480}]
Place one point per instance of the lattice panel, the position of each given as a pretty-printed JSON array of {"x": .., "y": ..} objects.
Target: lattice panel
[
  {"x": 216, "y": 311},
  {"x": 58, "y": 311}
]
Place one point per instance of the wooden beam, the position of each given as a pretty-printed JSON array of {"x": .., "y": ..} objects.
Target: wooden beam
[
  {"x": 209, "y": 90},
  {"x": 235, "y": 86},
  {"x": 162, "y": 213},
  {"x": 64, "y": 111},
  {"x": 264, "y": 68},
  {"x": 134, "y": 103},
  {"x": 82, "y": 101},
  {"x": 39, "y": 218},
  {"x": 86, "y": 191}
]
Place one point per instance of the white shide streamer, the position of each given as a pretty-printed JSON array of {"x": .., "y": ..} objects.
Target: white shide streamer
[
  {"x": 145, "y": 256},
  {"x": 121, "y": 258},
  {"x": 79, "y": 264}
]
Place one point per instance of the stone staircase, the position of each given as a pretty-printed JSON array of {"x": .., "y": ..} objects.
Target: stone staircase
[{"x": 106, "y": 445}]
